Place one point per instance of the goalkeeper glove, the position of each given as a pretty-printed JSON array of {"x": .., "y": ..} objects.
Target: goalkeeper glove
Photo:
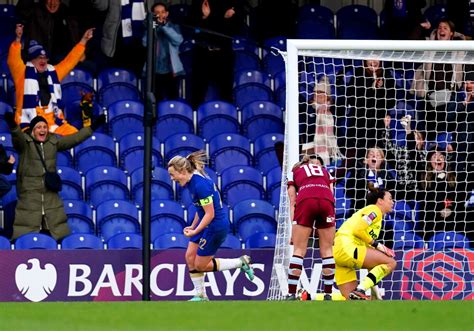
[{"x": 384, "y": 249}]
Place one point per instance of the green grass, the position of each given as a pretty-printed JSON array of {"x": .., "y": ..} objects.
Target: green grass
[{"x": 238, "y": 315}]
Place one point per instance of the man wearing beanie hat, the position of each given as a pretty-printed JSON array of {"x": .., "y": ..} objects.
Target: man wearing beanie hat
[
  {"x": 37, "y": 83},
  {"x": 38, "y": 207}
]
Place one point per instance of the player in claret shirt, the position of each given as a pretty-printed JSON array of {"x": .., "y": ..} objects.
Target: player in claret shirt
[
  {"x": 210, "y": 225},
  {"x": 310, "y": 190},
  {"x": 356, "y": 247}
]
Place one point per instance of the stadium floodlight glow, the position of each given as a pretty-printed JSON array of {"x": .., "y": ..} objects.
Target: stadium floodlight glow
[{"x": 340, "y": 61}]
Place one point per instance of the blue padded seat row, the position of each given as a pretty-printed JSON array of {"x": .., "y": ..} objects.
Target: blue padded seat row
[
  {"x": 125, "y": 240},
  {"x": 406, "y": 240},
  {"x": 229, "y": 149},
  {"x": 254, "y": 216},
  {"x": 116, "y": 75},
  {"x": 171, "y": 240},
  {"x": 249, "y": 92},
  {"x": 111, "y": 93},
  {"x": 161, "y": 185},
  {"x": 274, "y": 185},
  {"x": 167, "y": 216},
  {"x": 132, "y": 152},
  {"x": 73, "y": 91},
  {"x": 173, "y": 117},
  {"x": 81, "y": 241},
  {"x": 106, "y": 183},
  {"x": 182, "y": 144},
  {"x": 264, "y": 151},
  {"x": 260, "y": 117},
  {"x": 5, "y": 243},
  {"x": 78, "y": 75},
  {"x": 315, "y": 13},
  {"x": 357, "y": 22},
  {"x": 124, "y": 117},
  {"x": 315, "y": 29},
  {"x": 116, "y": 216},
  {"x": 79, "y": 216},
  {"x": 216, "y": 117},
  {"x": 447, "y": 240},
  {"x": 252, "y": 76},
  {"x": 261, "y": 240},
  {"x": 98, "y": 150},
  {"x": 72, "y": 183},
  {"x": 4, "y": 108},
  {"x": 238, "y": 179},
  {"x": 231, "y": 242},
  {"x": 35, "y": 241}
]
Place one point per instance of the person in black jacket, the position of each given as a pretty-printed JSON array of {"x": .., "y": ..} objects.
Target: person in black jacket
[{"x": 6, "y": 168}]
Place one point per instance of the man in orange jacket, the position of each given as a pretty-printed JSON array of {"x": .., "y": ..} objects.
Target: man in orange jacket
[{"x": 37, "y": 83}]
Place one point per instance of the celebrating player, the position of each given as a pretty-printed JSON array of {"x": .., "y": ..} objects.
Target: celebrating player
[
  {"x": 310, "y": 191},
  {"x": 356, "y": 247},
  {"x": 210, "y": 225}
]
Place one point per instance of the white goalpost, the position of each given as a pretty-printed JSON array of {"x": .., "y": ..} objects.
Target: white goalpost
[{"x": 398, "y": 114}]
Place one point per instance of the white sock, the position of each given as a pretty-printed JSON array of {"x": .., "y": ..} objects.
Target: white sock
[
  {"x": 198, "y": 282},
  {"x": 228, "y": 264}
]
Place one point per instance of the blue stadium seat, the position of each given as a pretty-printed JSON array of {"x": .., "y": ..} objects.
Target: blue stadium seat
[
  {"x": 4, "y": 108},
  {"x": 406, "y": 240},
  {"x": 98, "y": 150},
  {"x": 231, "y": 242},
  {"x": 246, "y": 60},
  {"x": 7, "y": 87},
  {"x": 79, "y": 216},
  {"x": 132, "y": 150},
  {"x": 279, "y": 80},
  {"x": 5, "y": 243},
  {"x": 240, "y": 43},
  {"x": 447, "y": 240},
  {"x": 240, "y": 183},
  {"x": 81, "y": 241},
  {"x": 64, "y": 159},
  {"x": 182, "y": 144},
  {"x": 403, "y": 210},
  {"x": 434, "y": 14},
  {"x": 246, "y": 93},
  {"x": 115, "y": 75},
  {"x": 264, "y": 151},
  {"x": 357, "y": 22},
  {"x": 73, "y": 113},
  {"x": 124, "y": 117},
  {"x": 274, "y": 186},
  {"x": 260, "y": 117},
  {"x": 254, "y": 216},
  {"x": 116, "y": 216},
  {"x": 315, "y": 12},
  {"x": 125, "y": 240},
  {"x": 167, "y": 216},
  {"x": 178, "y": 13},
  {"x": 173, "y": 117},
  {"x": 73, "y": 91},
  {"x": 216, "y": 117},
  {"x": 343, "y": 204},
  {"x": 273, "y": 63},
  {"x": 118, "y": 92},
  {"x": 78, "y": 75},
  {"x": 105, "y": 183},
  {"x": 72, "y": 183},
  {"x": 243, "y": 77},
  {"x": 161, "y": 185},
  {"x": 261, "y": 240},
  {"x": 171, "y": 240},
  {"x": 278, "y": 42},
  {"x": 315, "y": 29},
  {"x": 227, "y": 150},
  {"x": 35, "y": 241}
]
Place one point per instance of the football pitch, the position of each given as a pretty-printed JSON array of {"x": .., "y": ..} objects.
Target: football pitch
[{"x": 238, "y": 315}]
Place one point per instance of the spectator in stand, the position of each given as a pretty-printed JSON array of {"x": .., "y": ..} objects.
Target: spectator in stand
[
  {"x": 404, "y": 19},
  {"x": 6, "y": 168},
  {"x": 122, "y": 33},
  {"x": 168, "y": 66},
  {"x": 407, "y": 160},
  {"x": 442, "y": 198},
  {"x": 436, "y": 83},
  {"x": 319, "y": 137},
  {"x": 39, "y": 208},
  {"x": 215, "y": 23},
  {"x": 37, "y": 83},
  {"x": 371, "y": 172},
  {"x": 51, "y": 24}
]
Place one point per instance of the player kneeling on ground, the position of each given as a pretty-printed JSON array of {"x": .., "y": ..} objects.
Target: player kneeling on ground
[{"x": 356, "y": 247}]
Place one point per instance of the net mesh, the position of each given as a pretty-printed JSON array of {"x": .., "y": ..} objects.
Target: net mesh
[{"x": 403, "y": 121}]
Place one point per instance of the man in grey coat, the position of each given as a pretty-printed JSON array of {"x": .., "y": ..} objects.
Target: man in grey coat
[{"x": 38, "y": 208}]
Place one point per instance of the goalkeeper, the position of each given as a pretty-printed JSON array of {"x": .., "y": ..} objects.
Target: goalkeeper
[{"x": 356, "y": 247}]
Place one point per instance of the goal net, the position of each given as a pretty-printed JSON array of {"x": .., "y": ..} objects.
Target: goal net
[{"x": 400, "y": 115}]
